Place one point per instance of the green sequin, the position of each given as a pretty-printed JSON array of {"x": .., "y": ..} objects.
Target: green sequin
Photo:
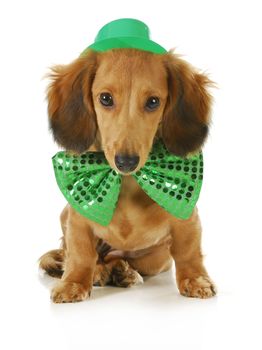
[{"x": 92, "y": 188}]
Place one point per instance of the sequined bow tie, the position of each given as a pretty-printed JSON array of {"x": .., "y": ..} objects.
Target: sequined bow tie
[{"x": 92, "y": 188}]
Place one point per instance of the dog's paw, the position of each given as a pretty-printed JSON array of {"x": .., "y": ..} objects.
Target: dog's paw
[
  {"x": 124, "y": 276},
  {"x": 200, "y": 287},
  {"x": 69, "y": 292}
]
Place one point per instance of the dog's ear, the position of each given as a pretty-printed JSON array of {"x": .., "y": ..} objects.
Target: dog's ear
[
  {"x": 186, "y": 117},
  {"x": 72, "y": 117}
]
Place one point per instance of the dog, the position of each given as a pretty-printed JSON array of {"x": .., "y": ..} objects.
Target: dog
[{"x": 120, "y": 102}]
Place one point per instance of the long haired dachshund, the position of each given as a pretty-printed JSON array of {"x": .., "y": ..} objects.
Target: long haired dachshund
[{"x": 120, "y": 102}]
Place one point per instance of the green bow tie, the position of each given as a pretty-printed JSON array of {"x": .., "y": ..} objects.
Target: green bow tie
[{"x": 92, "y": 188}]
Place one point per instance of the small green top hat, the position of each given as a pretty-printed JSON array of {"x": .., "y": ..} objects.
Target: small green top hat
[{"x": 125, "y": 33}]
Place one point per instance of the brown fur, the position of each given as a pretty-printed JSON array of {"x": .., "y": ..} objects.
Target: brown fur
[
  {"x": 188, "y": 108},
  {"x": 70, "y": 104},
  {"x": 142, "y": 237}
]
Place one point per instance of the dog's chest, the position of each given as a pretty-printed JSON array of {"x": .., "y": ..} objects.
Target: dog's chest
[{"x": 138, "y": 222}]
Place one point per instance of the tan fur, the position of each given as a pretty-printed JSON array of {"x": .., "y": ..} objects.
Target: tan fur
[{"x": 141, "y": 234}]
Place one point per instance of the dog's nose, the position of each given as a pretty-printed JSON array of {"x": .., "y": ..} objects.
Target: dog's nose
[{"x": 126, "y": 163}]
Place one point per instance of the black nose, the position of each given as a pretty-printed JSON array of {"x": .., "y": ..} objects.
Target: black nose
[{"x": 126, "y": 163}]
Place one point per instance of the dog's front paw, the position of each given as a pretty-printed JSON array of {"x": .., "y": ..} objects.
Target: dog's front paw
[
  {"x": 69, "y": 292},
  {"x": 200, "y": 287}
]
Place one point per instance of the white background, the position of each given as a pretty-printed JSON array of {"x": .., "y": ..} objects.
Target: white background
[{"x": 221, "y": 37}]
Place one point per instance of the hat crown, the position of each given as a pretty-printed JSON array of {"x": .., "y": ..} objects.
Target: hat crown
[
  {"x": 124, "y": 33},
  {"x": 124, "y": 27}
]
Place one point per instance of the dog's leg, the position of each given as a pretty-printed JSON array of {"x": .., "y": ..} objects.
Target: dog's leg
[
  {"x": 191, "y": 275},
  {"x": 157, "y": 260},
  {"x": 80, "y": 261}
]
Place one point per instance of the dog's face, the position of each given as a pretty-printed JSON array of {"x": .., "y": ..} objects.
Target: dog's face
[
  {"x": 129, "y": 94},
  {"x": 124, "y": 98}
]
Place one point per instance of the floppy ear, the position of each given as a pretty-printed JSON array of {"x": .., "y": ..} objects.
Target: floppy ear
[
  {"x": 70, "y": 106},
  {"x": 186, "y": 117}
]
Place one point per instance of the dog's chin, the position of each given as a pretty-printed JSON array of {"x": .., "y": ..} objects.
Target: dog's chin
[
  {"x": 124, "y": 173},
  {"x": 127, "y": 173}
]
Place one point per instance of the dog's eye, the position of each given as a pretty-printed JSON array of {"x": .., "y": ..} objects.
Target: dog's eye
[
  {"x": 152, "y": 103},
  {"x": 106, "y": 99}
]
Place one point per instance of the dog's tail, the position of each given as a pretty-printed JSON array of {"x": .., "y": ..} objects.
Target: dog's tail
[{"x": 53, "y": 262}]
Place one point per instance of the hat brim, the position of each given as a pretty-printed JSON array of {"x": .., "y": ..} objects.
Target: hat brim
[{"x": 126, "y": 43}]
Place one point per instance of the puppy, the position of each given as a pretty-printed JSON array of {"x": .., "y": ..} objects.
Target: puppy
[{"x": 119, "y": 102}]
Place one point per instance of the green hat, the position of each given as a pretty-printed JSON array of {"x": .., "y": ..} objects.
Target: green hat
[{"x": 125, "y": 33}]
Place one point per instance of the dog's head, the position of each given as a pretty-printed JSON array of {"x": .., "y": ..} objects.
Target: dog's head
[{"x": 124, "y": 98}]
